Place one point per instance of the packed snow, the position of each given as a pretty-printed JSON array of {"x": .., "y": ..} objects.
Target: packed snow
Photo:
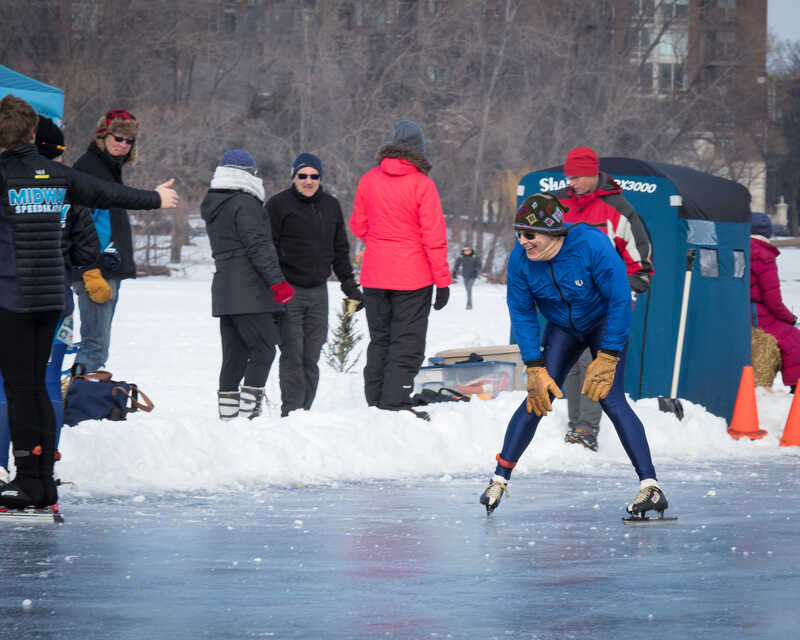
[{"x": 165, "y": 340}]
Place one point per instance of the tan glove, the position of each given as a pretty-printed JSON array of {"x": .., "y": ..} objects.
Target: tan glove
[
  {"x": 96, "y": 286},
  {"x": 540, "y": 386},
  {"x": 600, "y": 376}
]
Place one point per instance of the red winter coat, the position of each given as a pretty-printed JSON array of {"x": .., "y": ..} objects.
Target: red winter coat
[
  {"x": 773, "y": 316},
  {"x": 398, "y": 216},
  {"x": 607, "y": 209}
]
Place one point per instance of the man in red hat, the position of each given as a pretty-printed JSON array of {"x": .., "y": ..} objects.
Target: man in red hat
[
  {"x": 592, "y": 196},
  {"x": 113, "y": 147}
]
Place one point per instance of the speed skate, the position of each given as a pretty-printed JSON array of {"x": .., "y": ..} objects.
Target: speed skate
[{"x": 30, "y": 515}]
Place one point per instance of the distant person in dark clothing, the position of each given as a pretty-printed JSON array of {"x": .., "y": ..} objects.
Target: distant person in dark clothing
[
  {"x": 398, "y": 216},
  {"x": 309, "y": 232},
  {"x": 249, "y": 292},
  {"x": 112, "y": 148},
  {"x": 469, "y": 264},
  {"x": 33, "y": 191}
]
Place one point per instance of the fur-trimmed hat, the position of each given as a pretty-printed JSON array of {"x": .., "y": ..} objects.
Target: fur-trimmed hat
[
  {"x": 49, "y": 139},
  {"x": 118, "y": 122},
  {"x": 542, "y": 213}
]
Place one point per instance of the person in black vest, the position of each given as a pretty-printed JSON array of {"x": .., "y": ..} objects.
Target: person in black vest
[
  {"x": 469, "y": 264},
  {"x": 33, "y": 191},
  {"x": 308, "y": 230},
  {"x": 112, "y": 148},
  {"x": 249, "y": 291}
]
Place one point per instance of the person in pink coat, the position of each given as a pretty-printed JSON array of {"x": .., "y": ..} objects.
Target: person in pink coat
[
  {"x": 765, "y": 294},
  {"x": 398, "y": 216}
]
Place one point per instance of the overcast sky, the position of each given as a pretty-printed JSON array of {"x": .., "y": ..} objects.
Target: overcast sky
[{"x": 783, "y": 18}]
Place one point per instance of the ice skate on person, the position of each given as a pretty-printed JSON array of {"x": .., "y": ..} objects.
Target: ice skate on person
[
  {"x": 4, "y": 477},
  {"x": 490, "y": 498},
  {"x": 26, "y": 489},
  {"x": 250, "y": 402},
  {"x": 650, "y": 497},
  {"x": 580, "y": 435}
]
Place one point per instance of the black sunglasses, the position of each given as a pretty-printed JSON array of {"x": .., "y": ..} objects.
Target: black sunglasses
[
  {"x": 528, "y": 235},
  {"x": 120, "y": 139},
  {"x": 313, "y": 176}
]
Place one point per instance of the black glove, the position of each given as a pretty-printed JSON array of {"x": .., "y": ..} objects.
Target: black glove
[
  {"x": 110, "y": 260},
  {"x": 442, "y": 296},
  {"x": 354, "y": 293}
]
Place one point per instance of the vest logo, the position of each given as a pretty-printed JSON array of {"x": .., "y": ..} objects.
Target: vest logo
[
  {"x": 41, "y": 174},
  {"x": 37, "y": 199},
  {"x": 579, "y": 283}
]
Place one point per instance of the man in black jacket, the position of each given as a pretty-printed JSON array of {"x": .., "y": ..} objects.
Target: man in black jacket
[
  {"x": 309, "y": 233},
  {"x": 469, "y": 264},
  {"x": 33, "y": 191},
  {"x": 113, "y": 146}
]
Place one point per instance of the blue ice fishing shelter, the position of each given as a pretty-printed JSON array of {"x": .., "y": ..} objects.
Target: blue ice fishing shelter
[
  {"x": 46, "y": 100},
  {"x": 685, "y": 210}
]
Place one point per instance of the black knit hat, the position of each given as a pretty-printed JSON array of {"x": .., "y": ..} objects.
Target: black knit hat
[
  {"x": 49, "y": 139},
  {"x": 542, "y": 213}
]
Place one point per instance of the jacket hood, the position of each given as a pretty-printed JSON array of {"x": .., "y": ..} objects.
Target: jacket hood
[
  {"x": 213, "y": 204},
  {"x": 765, "y": 246},
  {"x": 403, "y": 152}
]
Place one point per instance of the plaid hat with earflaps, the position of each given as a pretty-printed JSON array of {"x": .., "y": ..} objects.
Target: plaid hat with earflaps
[{"x": 542, "y": 213}]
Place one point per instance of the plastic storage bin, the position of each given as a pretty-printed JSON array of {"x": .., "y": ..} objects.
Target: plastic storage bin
[
  {"x": 480, "y": 378},
  {"x": 428, "y": 378}
]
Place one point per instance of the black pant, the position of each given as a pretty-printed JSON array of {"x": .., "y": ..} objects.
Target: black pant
[
  {"x": 304, "y": 330},
  {"x": 398, "y": 324},
  {"x": 28, "y": 339},
  {"x": 248, "y": 348}
]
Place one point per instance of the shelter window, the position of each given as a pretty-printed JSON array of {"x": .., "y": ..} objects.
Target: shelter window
[
  {"x": 709, "y": 263},
  {"x": 701, "y": 232},
  {"x": 739, "y": 263}
]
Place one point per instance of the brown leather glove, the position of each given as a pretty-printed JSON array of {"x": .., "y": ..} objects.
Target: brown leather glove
[
  {"x": 600, "y": 376},
  {"x": 96, "y": 286},
  {"x": 540, "y": 386}
]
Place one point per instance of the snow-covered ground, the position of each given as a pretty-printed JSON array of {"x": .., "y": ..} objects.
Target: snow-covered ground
[{"x": 165, "y": 340}]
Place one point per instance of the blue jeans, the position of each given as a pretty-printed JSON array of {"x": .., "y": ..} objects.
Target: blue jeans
[
  {"x": 95, "y": 325},
  {"x": 562, "y": 349},
  {"x": 468, "y": 282}
]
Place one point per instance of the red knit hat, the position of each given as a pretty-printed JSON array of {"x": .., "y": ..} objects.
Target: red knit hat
[{"x": 582, "y": 161}]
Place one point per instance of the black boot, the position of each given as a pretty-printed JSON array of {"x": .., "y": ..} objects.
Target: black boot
[
  {"x": 26, "y": 489},
  {"x": 49, "y": 486},
  {"x": 250, "y": 401}
]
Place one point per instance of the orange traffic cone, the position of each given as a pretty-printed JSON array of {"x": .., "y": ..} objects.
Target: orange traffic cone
[
  {"x": 791, "y": 432},
  {"x": 745, "y": 415}
]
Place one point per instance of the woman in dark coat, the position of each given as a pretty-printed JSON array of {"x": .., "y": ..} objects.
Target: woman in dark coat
[{"x": 249, "y": 291}]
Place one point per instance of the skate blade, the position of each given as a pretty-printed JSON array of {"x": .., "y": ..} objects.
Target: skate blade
[
  {"x": 647, "y": 521},
  {"x": 30, "y": 516}
]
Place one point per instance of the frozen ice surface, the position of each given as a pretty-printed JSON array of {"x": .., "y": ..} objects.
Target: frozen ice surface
[{"x": 418, "y": 559}]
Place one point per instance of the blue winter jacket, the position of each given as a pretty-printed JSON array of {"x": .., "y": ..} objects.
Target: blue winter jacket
[{"x": 584, "y": 284}]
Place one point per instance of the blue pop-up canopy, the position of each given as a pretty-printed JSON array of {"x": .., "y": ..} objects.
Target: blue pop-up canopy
[
  {"x": 684, "y": 210},
  {"x": 46, "y": 100}
]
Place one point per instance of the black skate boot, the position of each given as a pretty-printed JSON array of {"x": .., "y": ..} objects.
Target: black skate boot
[
  {"x": 26, "y": 489},
  {"x": 579, "y": 435},
  {"x": 250, "y": 402},
  {"x": 650, "y": 498},
  {"x": 228, "y": 402},
  {"x": 491, "y": 497}
]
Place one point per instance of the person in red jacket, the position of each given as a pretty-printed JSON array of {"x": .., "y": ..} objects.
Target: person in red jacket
[
  {"x": 771, "y": 314},
  {"x": 592, "y": 196},
  {"x": 398, "y": 216}
]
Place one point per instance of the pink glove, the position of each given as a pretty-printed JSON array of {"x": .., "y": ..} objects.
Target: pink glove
[{"x": 283, "y": 292}]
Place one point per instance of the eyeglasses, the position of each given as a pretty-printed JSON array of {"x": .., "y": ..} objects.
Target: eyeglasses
[
  {"x": 304, "y": 176},
  {"x": 120, "y": 139},
  {"x": 528, "y": 235}
]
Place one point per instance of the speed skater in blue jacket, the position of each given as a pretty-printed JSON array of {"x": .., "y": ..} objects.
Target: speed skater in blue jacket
[{"x": 573, "y": 275}]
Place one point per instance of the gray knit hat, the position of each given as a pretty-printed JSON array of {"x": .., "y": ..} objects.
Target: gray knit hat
[{"x": 409, "y": 134}]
